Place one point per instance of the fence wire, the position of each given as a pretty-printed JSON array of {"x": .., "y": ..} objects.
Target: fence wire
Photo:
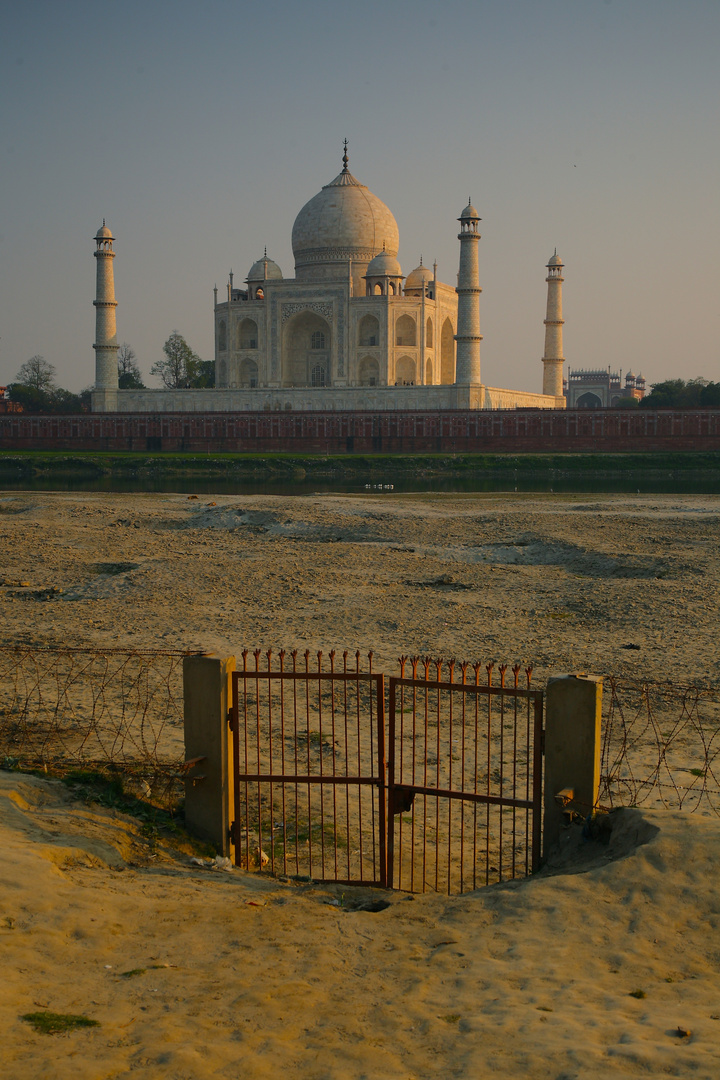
[
  {"x": 109, "y": 711},
  {"x": 660, "y": 746}
]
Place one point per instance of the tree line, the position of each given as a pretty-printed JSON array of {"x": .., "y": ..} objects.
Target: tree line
[
  {"x": 36, "y": 390},
  {"x": 678, "y": 394}
]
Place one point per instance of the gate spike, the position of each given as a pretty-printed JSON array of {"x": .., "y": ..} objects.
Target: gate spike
[
  {"x": 502, "y": 669},
  {"x": 256, "y": 654},
  {"x": 268, "y": 654},
  {"x": 319, "y": 659},
  {"x": 281, "y": 654},
  {"x": 528, "y": 674},
  {"x": 463, "y": 667},
  {"x": 244, "y": 657}
]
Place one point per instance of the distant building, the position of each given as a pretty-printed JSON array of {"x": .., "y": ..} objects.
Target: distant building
[
  {"x": 349, "y": 331},
  {"x": 6, "y": 405},
  {"x": 601, "y": 389}
]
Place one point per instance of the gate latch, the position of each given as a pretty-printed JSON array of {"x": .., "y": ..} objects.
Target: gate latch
[{"x": 401, "y": 799}]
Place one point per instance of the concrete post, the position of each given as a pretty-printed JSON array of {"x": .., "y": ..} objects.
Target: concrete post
[
  {"x": 573, "y": 705},
  {"x": 207, "y": 697}
]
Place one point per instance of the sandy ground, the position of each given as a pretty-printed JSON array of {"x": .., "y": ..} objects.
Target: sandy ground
[
  {"x": 233, "y": 975},
  {"x": 563, "y": 582},
  {"x": 242, "y": 976}
]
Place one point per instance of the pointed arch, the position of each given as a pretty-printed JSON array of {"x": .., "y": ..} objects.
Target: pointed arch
[
  {"x": 248, "y": 334},
  {"x": 447, "y": 353},
  {"x": 405, "y": 371},
  {"x": 368, "y": 331},
  {"x": 306, "y": 348},
  {"x": 405, "y": 331},
  {"x": 369, "y": 372}
]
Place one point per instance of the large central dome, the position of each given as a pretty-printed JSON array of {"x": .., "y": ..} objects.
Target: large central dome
[{"x": 344, "y": 221}]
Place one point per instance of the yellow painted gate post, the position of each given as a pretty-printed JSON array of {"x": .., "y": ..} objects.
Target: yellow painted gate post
[
  {"x": 207, "y": 697},
  {"x": 573, "y": 710}
]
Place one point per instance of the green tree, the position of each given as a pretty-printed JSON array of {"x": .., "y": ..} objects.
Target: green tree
[
  {"x": 182, "y": 369},
  {"x": 37, "y": 373},
  {"x": 678, "y": 394},
  {"x": 129, "y": 374}
]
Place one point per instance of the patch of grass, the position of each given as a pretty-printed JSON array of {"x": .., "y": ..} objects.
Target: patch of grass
[
  {"x": 132, "y": 973},
  {"x": 697, "y": 772},
  {"x": 451, "y": 1018},
  {"x": 640, "y": 994},
  {"x": 49, "y": 1023}
]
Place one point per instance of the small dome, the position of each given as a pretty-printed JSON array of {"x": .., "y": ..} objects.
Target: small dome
[
  {"x": 418, "y": 278},
  {"x": 555, "y": 260},
  {"x": 630, "y": 375},
  {"x": 264, "y": 269},
  {"x": 104, "y": 233},
  {"x": 383, "y": 265},
  {"x": 469, "y": 213}
]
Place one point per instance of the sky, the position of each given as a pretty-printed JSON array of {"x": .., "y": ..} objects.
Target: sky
[{"x": 200, "y": 130}]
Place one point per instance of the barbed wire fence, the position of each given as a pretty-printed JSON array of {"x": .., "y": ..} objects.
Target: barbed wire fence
[
  {"x": 120, "y": 712},
  {"x": 660, "y": 746},
  {"x": 114, "y": 712}
]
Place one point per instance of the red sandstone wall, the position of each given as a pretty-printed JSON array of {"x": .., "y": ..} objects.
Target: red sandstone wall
[{"x": 512, "y": 432}]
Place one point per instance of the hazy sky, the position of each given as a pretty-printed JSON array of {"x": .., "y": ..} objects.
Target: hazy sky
[{"x": 199, "y": 130}]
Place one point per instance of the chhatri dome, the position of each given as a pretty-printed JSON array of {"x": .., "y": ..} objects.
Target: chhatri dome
[
  {"x": 264, "y": 269},
  {"x": 343, "y": 222},
  {"x": 384, "y": 265},
  {"x": 419, "y": 277}
]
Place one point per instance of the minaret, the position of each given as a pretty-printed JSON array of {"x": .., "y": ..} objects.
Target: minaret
[
  {"x": 468, "y": 337},
  {"x": 553, "y": 358},
  {"x": 106, "y": 346}
]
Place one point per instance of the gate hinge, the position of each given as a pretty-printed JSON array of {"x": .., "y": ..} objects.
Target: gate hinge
[
  {"x": 231, "y": 719},
  {"x": 232, "y": 833}
]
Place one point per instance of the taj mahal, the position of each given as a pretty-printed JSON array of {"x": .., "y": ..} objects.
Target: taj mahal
[{"x": 348, "y": 332}]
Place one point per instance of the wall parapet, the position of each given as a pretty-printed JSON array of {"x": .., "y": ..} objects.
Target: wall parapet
[{"x": 428, "y": 431}]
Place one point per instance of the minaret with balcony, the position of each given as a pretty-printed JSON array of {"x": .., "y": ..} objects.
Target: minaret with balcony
[
  {"x": 468, "y": 337},
  {"x": 106, "y": 345},
  {"x": 553, "y": 358}
]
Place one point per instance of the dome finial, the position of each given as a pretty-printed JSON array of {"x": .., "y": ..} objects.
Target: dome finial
[
  {"x": 103, "y": 223},
  {"x": 421, "y": 260},
  {"x": 265, "y": 255},
  {"x": 345, "y": 156}
]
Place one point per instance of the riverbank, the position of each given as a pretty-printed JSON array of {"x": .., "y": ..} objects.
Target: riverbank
[{"x": 682, "y": 467}]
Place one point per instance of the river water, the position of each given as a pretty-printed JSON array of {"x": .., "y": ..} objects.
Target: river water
[{"x": 628, "y": 483}]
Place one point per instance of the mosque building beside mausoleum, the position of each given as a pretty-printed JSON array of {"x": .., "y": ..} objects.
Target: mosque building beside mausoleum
[{"x": 348, "y": 332}]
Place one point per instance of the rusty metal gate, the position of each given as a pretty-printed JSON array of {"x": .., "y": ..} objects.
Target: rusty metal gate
[
  {"x": 309, "y": 760},
  {"x": 464, "y": 776},
  {"x": 453, "y": 805}
]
